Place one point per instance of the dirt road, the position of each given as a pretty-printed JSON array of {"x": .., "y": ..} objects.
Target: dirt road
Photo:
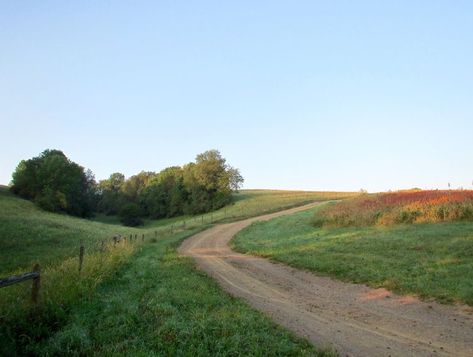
[{"x": 354, "y": 319}]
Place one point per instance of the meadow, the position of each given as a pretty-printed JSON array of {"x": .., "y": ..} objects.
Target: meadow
[
  {"x": 404, "y": 207},
  {"x": 134, "y": 297},
  {"x": 430, "y": 260}
]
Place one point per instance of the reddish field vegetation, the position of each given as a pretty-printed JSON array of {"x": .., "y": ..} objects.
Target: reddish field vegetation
[{"x": 398, "y": 207}]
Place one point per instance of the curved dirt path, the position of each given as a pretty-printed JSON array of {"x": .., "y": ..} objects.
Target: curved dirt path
[{"x": 354, "y": 319}]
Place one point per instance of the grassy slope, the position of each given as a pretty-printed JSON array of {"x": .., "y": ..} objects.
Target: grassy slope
[
  {"x": 133, "y": 298},
  {"x": 430, "y": 260},
  {"x": 29, "y": 235},
  {"x": 160, "y": 304}
]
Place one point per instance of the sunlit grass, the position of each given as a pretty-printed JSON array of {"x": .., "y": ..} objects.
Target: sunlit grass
[
  {"x": 429, "y": 260},
  {"x": 405, "y": 207}
]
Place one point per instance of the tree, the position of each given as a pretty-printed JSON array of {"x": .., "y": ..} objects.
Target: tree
[
  {"x": 135, "y": 185},
  {"x": 235, "y": 179},
  {"x": 130, "y": 215},
  {"x": 110, "y": 196},
  {"x": 165, "y": 194},
  {"x": 55, "y": 183}
]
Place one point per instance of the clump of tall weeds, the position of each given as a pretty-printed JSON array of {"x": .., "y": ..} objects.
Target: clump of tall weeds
[
  {"x": 404, "y": 207},
  {"x": 23, "y": 324}
]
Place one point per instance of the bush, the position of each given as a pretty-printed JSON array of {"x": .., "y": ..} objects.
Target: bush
[{"x": 130, "y": 215}]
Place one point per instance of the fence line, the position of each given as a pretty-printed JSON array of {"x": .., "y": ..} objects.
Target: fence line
[{"x": 35, "y": 274}]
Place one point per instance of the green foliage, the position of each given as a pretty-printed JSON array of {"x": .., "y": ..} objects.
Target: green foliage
[
  {"x": 199, "y": 187},
  {"x": 130, "y": 215},
  {"x": 430, "y": 260},
  {"x": 55, "y": 183},
  {"x": 111, "y": 198}
]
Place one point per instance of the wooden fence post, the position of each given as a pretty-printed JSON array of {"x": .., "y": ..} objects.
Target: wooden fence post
[
  {"x": 172, "y": 228},
  {"x": 81, "y": 256},
  {"x": 143, "y": 237},
  {"x": 184, "y": 224},
  {"x": 136, "y": 236},
  {"x": 202, "y": 219},
  {"x": 155, "y": 234},
  {"x": 36, "y": 284}
]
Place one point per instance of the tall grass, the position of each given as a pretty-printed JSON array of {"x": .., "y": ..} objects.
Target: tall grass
[
  {"x": 30, "y": 235},
  {"x": 404, "y": 207},
  {"x": 62, "y": 285}
]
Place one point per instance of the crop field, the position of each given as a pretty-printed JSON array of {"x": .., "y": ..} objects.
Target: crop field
[
  {"x": 430, "y": 260},
  {"x": 136, "y": 297}
]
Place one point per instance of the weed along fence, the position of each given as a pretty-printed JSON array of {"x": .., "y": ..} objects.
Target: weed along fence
[
  {"x": 35, "y": 275},
  {"x": 101, "y": 247}
]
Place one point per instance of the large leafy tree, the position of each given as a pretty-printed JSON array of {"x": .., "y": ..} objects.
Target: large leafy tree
[
  {"x": 210, "y": 182},
  {"x": 55, "y": 183},
  {"x": 111, "y": 198}
]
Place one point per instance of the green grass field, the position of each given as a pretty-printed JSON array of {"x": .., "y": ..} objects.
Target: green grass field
[
  {"x": 429, "y": 260},
  {"x": 136, "y": 298}
]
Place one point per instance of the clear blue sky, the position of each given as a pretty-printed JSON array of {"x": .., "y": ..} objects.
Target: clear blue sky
[{"x": 321, "y": 95}]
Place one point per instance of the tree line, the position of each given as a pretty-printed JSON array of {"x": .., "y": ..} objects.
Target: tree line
[{"x": 58, "y": 184}]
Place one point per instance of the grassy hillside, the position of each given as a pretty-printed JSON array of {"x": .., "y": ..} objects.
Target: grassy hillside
[
  {"x": 29, "y": 234},
  {"x": 429, "y": 260},
  {"x": 133, "y": 298}
]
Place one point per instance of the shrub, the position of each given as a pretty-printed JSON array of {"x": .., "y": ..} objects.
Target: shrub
[{"x": 130, "y": 215}]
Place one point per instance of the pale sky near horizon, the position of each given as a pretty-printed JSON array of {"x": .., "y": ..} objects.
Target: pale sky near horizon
[{"x": 316, "y": 95}]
